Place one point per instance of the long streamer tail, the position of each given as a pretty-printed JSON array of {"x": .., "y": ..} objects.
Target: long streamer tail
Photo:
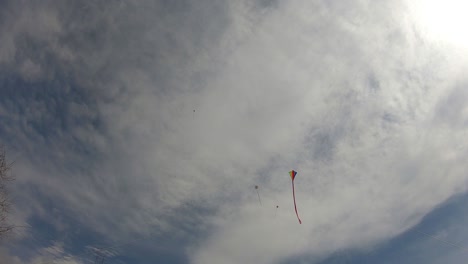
[{"x": 294, "y": 198}]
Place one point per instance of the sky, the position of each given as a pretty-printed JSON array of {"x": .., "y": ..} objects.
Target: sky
[{"x": 139, "y": 130}]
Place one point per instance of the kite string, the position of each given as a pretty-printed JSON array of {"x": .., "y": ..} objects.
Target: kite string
[
  {"x": 442, "y": 240},
  {"x": 260, "y": 200},
  {"x": 294, "y": 198}
]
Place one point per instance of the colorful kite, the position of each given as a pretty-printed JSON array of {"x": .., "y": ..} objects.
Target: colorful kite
[
  {"x": 293, "y": 175},
  {"x": 259, "y": 200}
]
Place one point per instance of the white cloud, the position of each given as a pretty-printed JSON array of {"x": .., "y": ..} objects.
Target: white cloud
[{"x": 349, "y": 95}]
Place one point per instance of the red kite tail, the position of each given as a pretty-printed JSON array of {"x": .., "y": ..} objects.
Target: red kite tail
[{"x": 294, "y": 197}]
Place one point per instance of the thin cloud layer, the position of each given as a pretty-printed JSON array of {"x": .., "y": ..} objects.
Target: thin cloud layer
[
  {"x": 156, "y": 120},
  {"x": 53, "y": 254}
]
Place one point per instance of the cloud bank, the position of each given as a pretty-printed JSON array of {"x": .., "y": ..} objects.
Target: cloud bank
[{"x": 99, "y": 101}]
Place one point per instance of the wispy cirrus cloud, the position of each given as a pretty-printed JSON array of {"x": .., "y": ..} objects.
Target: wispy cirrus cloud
[{"x": 53, "y": 254}]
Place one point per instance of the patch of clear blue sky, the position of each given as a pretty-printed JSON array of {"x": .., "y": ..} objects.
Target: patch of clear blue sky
[{"x": 38, "y": 119}]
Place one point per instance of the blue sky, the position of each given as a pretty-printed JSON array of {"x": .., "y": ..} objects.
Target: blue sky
[{"x": 365, "y": 100}]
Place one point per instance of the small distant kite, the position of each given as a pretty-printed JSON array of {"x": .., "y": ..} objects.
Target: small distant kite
[
  {"x": 259, "y": 200},
  {"x": 293, "y": 175}
]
